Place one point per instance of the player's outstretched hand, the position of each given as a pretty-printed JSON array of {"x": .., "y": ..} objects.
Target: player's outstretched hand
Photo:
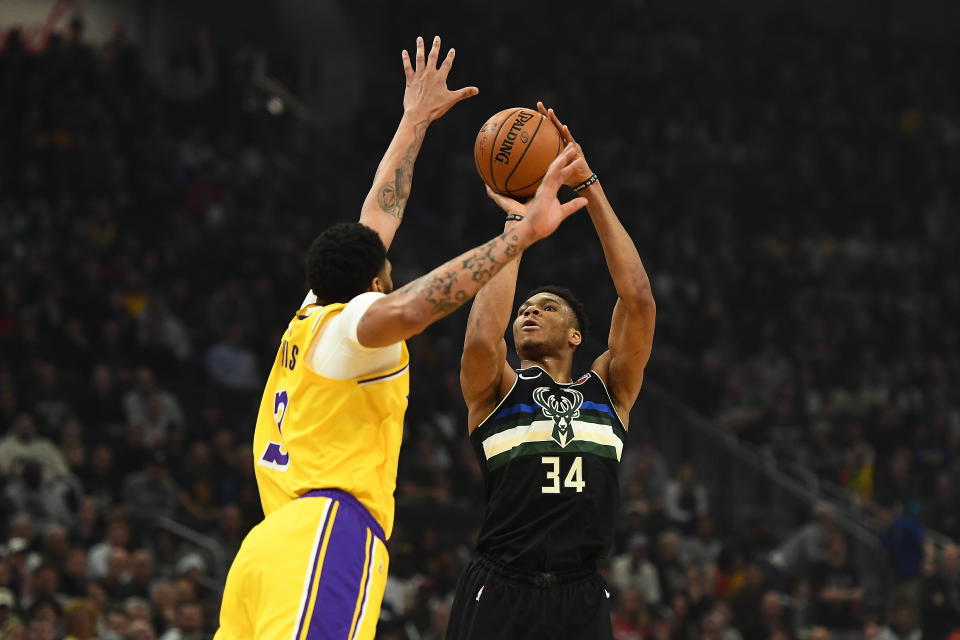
[
  {"x": 544, "y": 212},
  {"x": 584, "y": 172},
  {"x": 426, "y": 92}
]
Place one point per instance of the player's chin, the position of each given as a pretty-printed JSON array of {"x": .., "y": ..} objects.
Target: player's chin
[{"x": 529, "y": 346}]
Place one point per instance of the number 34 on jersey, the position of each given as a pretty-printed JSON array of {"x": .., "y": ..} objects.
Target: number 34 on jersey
[{"x": 572, "y": 480}]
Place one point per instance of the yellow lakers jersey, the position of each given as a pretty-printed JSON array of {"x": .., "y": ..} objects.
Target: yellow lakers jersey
[{"x": 315, "y": 432}]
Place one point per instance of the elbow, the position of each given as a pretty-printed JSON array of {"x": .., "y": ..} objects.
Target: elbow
[
  {"x": 413, "y": 318},
  {"x": 639, "y": 298}
]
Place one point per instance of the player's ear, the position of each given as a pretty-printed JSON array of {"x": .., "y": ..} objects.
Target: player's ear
[
  {"x": 575, "y": 337},
  {"x": 376, "y": 285}
]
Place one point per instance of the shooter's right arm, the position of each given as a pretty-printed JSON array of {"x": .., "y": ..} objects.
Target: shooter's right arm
[
  {"x": 411, "y": 309},
  {"x": 484, "y": 371}
]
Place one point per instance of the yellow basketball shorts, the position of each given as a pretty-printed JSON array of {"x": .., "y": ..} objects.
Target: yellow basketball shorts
[{"x": 314, "y": 569}]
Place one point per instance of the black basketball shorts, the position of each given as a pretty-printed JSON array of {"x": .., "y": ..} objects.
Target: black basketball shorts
[{"x": 497, "y": 602}]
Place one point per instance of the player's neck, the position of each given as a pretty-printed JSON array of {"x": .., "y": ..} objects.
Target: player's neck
[{"x": 559, "y": 368}]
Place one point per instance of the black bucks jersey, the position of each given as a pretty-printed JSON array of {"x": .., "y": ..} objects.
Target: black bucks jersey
[{"x": 550, "y": 454}]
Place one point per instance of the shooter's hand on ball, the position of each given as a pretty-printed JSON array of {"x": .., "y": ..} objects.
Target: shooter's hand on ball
[
  {"x": 544, "y": 212},
  {"x": 583, "y": 172},
  {"x": 426, "y": 93}
]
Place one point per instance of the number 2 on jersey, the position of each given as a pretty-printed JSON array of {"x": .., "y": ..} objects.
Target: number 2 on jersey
[
  {"x": 573, "y": 479},
  {"x": 274, "y": 457}
]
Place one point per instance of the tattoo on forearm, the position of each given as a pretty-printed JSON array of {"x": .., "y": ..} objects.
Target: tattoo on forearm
[
  {"x": 481, "y": 264},
  {"x": 392, "y": 198}
]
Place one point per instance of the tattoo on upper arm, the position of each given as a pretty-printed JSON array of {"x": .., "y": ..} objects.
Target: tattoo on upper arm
[{"x": 392, "y": 198}]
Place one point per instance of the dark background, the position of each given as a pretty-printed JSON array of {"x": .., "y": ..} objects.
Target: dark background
[{"x": 787, "y": 171}]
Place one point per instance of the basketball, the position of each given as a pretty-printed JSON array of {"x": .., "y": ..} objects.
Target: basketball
[{"x": 514, "y": 149}]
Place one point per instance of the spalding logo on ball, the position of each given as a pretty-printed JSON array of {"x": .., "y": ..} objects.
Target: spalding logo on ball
[{"x": 514, "y": 149}]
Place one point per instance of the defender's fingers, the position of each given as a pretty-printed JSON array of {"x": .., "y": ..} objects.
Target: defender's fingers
[
  {"x": 407, "y": 68},
  {"x": 419, "y": 66},
  {"x": 463, "y": 94},
  {"x": 542, "y": 109},
  {"x": 447, "y": 62},
  {"x": 434, "y": 53}
]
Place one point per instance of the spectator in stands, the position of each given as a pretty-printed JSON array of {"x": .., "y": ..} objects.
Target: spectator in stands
[
  {"x": 80, "y": 619},
  {"x": 140, "y": 630},
  {"x": 117, "y": 537},
  {"x": 115, "y": 624},
  {"x": 74, "y": 576},
  {"x": 160, "y": 330},
  {"x": 942, "y": 512},
  {"x": 685, "y": 499},
  {"x": 46, "y": 498},
  {"x": 188, "y": 625},
  {"x": 152, "y": 413},
  {"x": 163, "y": 603},
  {"x": 746, "y": 604},
  {"x": 835, "y": 583},
  {"x": 808, "y": 546},
  {"x": 628, "y": 616},
  {"x": 23, "y": 445},
  {"x": 141, "y": 573},
  {"x": 897, "y": 487},
  {"x": 901, "y": 625},
  {"x": 903, "y": 538},
  {"x": 703, "y": 548},
  {"x": 771, "y": 620},
  {"x": 151, "y": 493},
  {"x": 940, "y": 595},
  {"x": 116, "y": 581},
  {"x": 232, "y": 364},
  {"x": 633, "y": 570},
  {"x": 699, "y": 598},
  {"x": 100, "y": 406},
  {"x": 669, "y": 566}
]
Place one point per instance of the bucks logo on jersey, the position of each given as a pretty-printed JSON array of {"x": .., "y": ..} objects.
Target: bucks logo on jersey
[{"x": 562, "y": 410}]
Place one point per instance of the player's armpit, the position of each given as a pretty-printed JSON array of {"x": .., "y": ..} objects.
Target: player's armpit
[
  {"x": 485, "y": 377},
  {"x": 628, "y": 350}
]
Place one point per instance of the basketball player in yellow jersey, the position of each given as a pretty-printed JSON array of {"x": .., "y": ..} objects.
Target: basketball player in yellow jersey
[{"x": 329, "y": 429}]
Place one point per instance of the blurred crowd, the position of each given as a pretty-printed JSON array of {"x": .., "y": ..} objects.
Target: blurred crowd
[{"x": 790, "y": 192}]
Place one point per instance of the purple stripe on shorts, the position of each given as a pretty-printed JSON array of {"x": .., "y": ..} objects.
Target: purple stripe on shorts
[
  {"x": 342, "y": 578},
  {"x": 347, "y": 500},
  {"x": 313, "y": 570}
]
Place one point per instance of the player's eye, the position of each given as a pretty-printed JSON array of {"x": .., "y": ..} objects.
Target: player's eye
[{"x": 550, "y": 307}]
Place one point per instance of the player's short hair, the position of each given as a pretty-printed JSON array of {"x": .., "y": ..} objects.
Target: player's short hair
[
  {"x": 575, "y": 305},
  {"x": 343, "y": 260}
]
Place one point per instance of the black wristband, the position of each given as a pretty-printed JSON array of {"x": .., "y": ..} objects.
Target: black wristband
[
  {"x": 513, "y": 216},
  {"x": 586, "y": 183}
]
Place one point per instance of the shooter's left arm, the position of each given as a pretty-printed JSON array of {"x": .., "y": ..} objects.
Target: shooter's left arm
[
  {"x": 631, "y": 328},
  {"x": 634, "y": 316},
  {"x": 425, "y": 99}
]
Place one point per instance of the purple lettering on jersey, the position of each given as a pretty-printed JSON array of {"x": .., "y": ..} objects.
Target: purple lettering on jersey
[
  {"x": 274, "y": 457},
  {"x": 280, "y": 403}
]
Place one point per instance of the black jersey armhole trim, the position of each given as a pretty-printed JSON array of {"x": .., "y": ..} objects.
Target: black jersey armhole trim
[{"x": 613, "y": 406}]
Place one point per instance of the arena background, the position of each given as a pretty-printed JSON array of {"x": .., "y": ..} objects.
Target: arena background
[{"x": 787, "y": 170}]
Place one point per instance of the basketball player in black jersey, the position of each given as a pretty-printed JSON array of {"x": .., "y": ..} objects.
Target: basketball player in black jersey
[{"x": 549, "y": 443}]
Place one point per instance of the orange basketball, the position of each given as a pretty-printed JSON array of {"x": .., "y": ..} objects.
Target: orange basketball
[{"x": 514, "y": 149}]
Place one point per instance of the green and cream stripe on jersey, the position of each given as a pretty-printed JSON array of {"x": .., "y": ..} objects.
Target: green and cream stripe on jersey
[{"x": 534, "y": 435}]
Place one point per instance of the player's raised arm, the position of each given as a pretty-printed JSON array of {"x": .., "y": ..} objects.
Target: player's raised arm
[
  {"x": 411, "y": 309},
  {"x": 634, "y": 316},
  {"x": 483, "y": 366},
  {"x": 425, "y": 99}
]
